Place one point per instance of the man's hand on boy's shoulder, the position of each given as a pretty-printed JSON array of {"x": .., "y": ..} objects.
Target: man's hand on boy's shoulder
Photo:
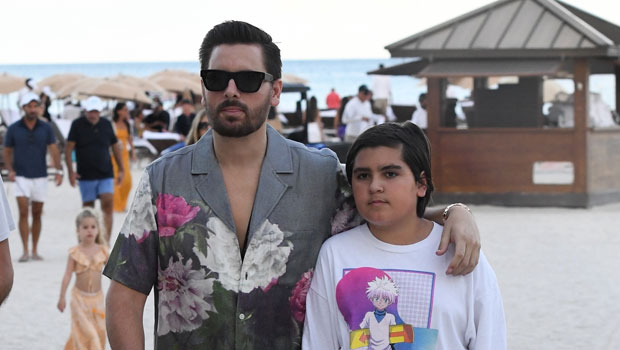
[{"x": 460, "y": 228}]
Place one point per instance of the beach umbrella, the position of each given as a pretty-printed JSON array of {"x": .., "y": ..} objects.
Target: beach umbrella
[
  {"x": 11, "y": 83},
  {"x": 178, "y": 83},
  {"x": 551, "y": 89},
  {"x": 142, "y": 83},
  {"x": 58, "y": 81},
  {"x": 105, "y": 88},
  {"x": 175, "y": 73},
  {"x": 293, "y": 79}
]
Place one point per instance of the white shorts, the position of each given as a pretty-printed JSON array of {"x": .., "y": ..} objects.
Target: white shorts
[{"x": 35, "y": 189}]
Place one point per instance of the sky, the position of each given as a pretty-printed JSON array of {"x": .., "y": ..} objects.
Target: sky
[{"x": 86, "y": 31}]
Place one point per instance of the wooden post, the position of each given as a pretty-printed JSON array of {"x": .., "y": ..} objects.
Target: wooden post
[
  {"x": 581, "y": 78},
  {"x": 433, "y": 107},
  {"x": 617, "y": 71}
]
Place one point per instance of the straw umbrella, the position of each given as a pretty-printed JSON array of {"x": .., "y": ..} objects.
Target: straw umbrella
[
  {"x": 58, "y": 81},
  {"x": 293, "y": 79},
  {"x": 105, "y": 88},
  {"x": 178, "y": 83},
  {"x": 11, "y": 83},
  {"x": 142, "y": 83}
]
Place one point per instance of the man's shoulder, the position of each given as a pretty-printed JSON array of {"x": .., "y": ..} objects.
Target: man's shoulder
[
  {"x": 313, "y": 155},
  {"x": 171, "y": 159}
]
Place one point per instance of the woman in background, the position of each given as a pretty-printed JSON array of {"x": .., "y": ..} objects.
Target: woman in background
[
  {"x": 124, "y": 135},
  {"x": 314, "y": 125},
  {"x": 200, "y": 126}
]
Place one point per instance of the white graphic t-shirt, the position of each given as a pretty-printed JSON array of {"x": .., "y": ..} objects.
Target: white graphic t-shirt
[{"x": 368, "y": 294}]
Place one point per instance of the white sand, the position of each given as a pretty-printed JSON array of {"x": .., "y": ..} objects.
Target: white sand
[{"x": 559, "y": 271}]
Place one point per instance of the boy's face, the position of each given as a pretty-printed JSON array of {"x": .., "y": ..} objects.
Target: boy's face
[{"x": 384, "y": 187}]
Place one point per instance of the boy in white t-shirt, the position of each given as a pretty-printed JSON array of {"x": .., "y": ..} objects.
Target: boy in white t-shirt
[{"x": 381, "y": 285}]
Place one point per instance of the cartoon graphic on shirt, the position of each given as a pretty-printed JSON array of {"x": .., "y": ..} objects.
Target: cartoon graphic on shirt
[{"x": 387, "y": 311}]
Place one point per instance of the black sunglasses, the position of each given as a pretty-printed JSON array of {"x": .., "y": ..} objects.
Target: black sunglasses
[
  {"x": 203, "y": 125},
  {"x": 246, "y": 81}
]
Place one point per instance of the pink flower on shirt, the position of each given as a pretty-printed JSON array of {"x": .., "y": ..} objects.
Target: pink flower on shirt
[
  {"x": 297, "y": 299},
  {"x": 172, "y": 213}
]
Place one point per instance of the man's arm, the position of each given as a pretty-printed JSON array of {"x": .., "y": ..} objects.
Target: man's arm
[
  {"x": 53, "y": 150},
  {"x": 459, "y": 228},
  {"x": 6, "y": 270},
  {"x": 124, "y": 309},
  {"x": 8, "y": 161},
  {"x": 118, "y": 157},
  {"x": 70, "y": 173}
]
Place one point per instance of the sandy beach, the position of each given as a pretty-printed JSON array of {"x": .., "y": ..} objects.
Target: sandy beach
[{"x": 558, "y": 270}]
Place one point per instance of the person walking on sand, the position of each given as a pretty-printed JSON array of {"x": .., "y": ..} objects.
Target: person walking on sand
[
  {"x": 26, "y": 144},
  {"x": 226, "y": 231},
  {"x": 86, "y": 260},
  {"x": 333, "y": 99},
  {"x": 122, "y": 128},
  {"x": 92, "y": 137},
  {"x": 6, "y": 226}
]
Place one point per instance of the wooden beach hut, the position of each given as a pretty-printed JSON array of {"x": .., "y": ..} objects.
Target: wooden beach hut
[{"x": 511, "y": 152}]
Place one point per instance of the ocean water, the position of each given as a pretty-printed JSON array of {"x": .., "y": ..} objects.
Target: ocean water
[{"x": 322, "y": 75}]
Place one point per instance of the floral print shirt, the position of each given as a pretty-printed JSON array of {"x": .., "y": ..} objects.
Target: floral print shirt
[{"x": 179, "y": 238}]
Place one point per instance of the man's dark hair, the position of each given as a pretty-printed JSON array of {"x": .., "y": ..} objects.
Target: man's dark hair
[
  {"x": 422, "y": 97},
  {"x": 363, "y": 89},
  {"x": 237, "y": 32},
  {"x": 415, "y": 152}
]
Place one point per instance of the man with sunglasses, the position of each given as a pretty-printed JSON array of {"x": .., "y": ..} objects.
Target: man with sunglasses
[
  {"x": 26, "y": 144},
  {"x": 228, "y": 229}
]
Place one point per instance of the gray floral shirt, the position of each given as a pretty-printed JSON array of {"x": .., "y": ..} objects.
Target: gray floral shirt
[{"x": 179, "y": 237}]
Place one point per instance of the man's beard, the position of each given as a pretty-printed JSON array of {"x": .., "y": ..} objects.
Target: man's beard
[
  {"x": 253, "y": 119},
  {"x": 31, "y": 115}
]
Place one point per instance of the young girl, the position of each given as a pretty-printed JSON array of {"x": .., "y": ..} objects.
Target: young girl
[
  {"x": 381, "y": 285},
  {"x": 86, "y": 260}
]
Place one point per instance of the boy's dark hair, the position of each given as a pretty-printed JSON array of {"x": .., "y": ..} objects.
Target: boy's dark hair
[
  {"x": 415, "y": 152},
  {"x": 237, "y": 32}
]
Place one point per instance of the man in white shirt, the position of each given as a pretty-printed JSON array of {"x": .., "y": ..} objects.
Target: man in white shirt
[
  {"x": 358, "y": 114},
  {"x": 382, "y": 91},
  {"x": 419, "y": 117},
  {"x": 6, "y": 226}
]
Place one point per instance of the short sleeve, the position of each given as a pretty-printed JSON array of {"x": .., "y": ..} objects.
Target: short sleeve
[
  {"x": 489, "y": 319},
  {"x": 321, "y": 325},
  {"x": 50, "y": 134},
  {"x": 113, "y": 139},
  {"x": 133, "y": 261},
  {"x": 6, "y": 218},
  {"x": 73, "y": 131},
  {"x": 9, "y": 140}
]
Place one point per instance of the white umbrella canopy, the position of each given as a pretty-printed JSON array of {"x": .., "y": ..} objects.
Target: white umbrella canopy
[
  {"x": 142, "y": 83},
  {"x": 105, "y": 88},
  {"x": 58, "y": 81},
  {"x": 11, "y": 83}
]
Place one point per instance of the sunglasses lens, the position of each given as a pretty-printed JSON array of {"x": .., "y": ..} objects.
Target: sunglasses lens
[
  {"x": 215, "y": 80},
  {"x": 203, "y": 125},
  {"x": 249, "y": 81},
  {"x": 246, "y": 81}
]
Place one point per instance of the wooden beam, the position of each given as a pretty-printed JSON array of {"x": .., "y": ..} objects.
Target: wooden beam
[
  {"x": 433, "y": 108},
  {"x": 617, "y": 71},
  {"x": 581, "y": 78}
]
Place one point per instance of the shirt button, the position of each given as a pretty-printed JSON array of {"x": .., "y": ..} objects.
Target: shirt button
[{"x": 242, "y": 317}]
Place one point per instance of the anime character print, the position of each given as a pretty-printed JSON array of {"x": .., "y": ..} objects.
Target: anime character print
[{"x": 382, "y": 316}]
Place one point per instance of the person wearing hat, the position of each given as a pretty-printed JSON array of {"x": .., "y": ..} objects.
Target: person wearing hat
[
  {"x": 92, "y": 137},
  {"x": 26, "y": 144},
  {"x": 358, "y": 114}
]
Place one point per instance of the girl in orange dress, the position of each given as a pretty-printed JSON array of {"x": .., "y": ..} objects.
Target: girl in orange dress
[
  {"x": 123, "y": 133},
  {"x": 86, "y": 260}
]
